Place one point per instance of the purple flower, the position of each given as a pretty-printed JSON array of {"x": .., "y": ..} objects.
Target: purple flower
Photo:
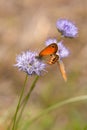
[
  {"x": 50, "y": 41},
  {"x": 67, "y": 28},
  {"x": 62, "y": 50},
  {"x": 28, "y": 63}
]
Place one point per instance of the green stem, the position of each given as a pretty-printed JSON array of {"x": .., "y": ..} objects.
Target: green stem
[
  {"x": 24, "y": 102},
  {"x": 57, "y": 105},
  {"x": 19, "y": 102},
  {"x": 31, "y": 89}
]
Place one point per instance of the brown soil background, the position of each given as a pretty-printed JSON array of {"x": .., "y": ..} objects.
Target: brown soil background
[{"x": 26, "y": 24}]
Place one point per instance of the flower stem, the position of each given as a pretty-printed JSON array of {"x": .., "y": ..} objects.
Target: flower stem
[
  {"x": 24, "y": 102},
  {"x": 19, "y": 102}
]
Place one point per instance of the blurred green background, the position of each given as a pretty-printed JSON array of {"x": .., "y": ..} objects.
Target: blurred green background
[{"x": 25, "y": 25}]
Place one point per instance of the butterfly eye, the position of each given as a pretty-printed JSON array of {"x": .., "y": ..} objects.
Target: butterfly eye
[{"x": 53, "y": 46}]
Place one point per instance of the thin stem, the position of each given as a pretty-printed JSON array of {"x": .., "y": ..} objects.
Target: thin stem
[
  {"x": 57, "y": 105},
  {"x": 19, "y": 102},
  {"x": 24, "y": 102}
]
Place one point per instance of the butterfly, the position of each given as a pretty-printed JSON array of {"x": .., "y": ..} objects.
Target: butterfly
[{"x": 51, "y": 51}]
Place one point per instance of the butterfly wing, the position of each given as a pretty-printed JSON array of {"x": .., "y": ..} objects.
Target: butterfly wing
[
  {"x": 53, "y": 59},
  {"x": 51, "y": 49}
]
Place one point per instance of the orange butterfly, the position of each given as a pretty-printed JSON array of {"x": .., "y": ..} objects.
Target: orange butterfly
[{"x": 51, "y": 50}]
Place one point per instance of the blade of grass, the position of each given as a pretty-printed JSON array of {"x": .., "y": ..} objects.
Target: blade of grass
[{"x": 54, "y": 106}]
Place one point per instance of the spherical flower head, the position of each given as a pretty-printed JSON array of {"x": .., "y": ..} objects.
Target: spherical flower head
[
  {"x": 67, "y": 28},
  {"x": 28, "y": 63},
  {"x": 50, "y": 41},
  {"x": 62, "y": 50}
]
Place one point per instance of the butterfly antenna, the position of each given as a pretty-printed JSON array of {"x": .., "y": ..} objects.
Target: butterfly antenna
[{"x": 62, "y": 69}]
